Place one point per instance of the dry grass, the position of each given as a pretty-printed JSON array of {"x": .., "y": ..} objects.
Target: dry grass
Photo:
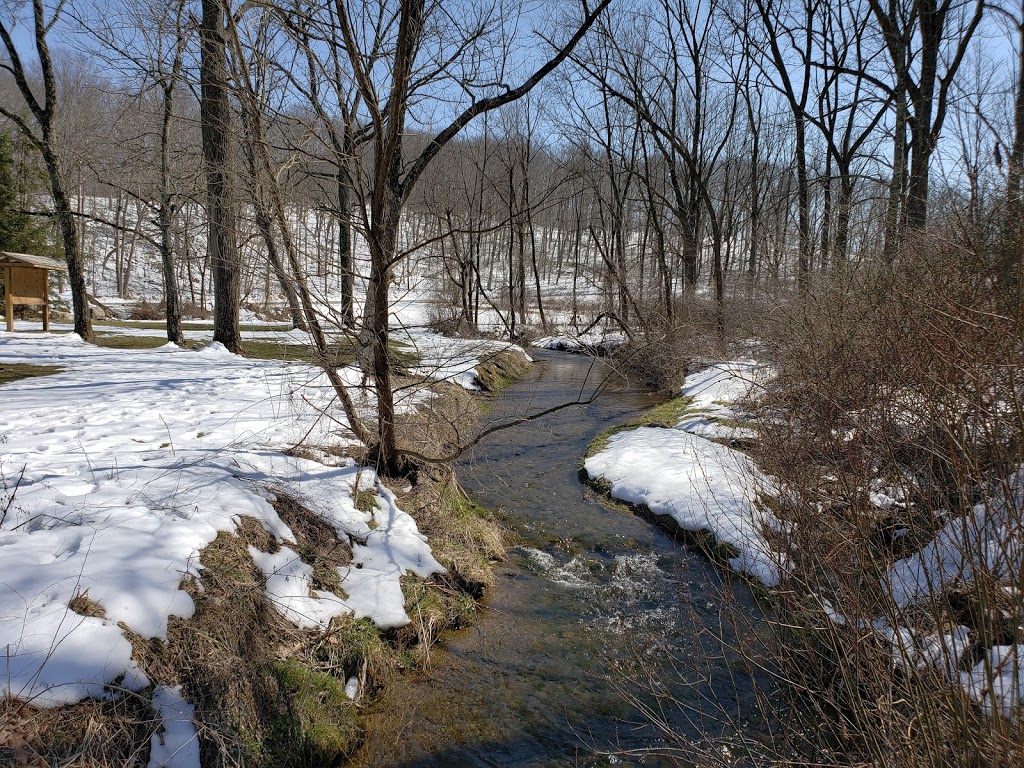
[
  {"x": 500, "y": 370},
  {"x": 464, "y": 536},
  {"x": 439, "y": 424},
  {"x": 93, "y": 733}
]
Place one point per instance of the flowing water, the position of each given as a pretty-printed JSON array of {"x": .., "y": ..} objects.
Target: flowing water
[{"x": 597, "y": 614}]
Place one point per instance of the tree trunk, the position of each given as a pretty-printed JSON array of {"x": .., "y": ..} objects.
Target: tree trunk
[
  {"x": 215, "y": 117},
  {"x": 384, "y": 242},
  {"x": 72, "y": 254},
  {"x": 897, "y": 184},
  {"x": 345, "y": 261},
  {"x": 803, "y": 202},
  {"x": 842, "y": 243}
]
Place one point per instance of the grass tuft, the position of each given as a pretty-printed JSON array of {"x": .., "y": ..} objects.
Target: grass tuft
[
  {"x": 319, "y": 724},
  {"x": 84, "y": 605}
]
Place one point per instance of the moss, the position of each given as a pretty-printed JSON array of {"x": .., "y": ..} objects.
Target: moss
[
  {"x": 353, "y": 647},
  {"x": 319, "y": 724},
  {"x": 500, "y": 370},
  {"x": 366, "y": 501},
  {"x": 14, "y": 371},
  {"x": 666, "y": 414}
]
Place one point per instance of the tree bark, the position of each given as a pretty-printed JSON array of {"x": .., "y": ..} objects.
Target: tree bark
[
  {"x": 215, "y": 116},
  {"x": 166, "y": 216}
]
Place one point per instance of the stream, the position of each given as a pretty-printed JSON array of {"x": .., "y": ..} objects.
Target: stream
[{"x": 597, "y": 614}]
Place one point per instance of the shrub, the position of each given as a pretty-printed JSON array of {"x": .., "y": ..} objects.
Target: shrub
[{"x": 898, "y": 410}]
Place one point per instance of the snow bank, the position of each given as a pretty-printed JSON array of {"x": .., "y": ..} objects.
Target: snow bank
[
  {"x": 117, "y": 472},
  {"x": 596, "y": 341},
  {"x": 996, "y": 683},
  {"x": 986, "y": 541},
  {"x": 715, "y": 392},
  {"x": 702, "y": 485}
]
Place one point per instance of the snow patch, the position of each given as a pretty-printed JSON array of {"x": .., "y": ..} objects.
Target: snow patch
[
  {"x": 702, "y": 485},
  {"x": 175, "y": 744}
]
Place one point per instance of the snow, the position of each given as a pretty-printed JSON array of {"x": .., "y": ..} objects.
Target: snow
[
  {"x": 716, "y": 387},
  {"x": 715, "y": 393},
  {"x": 941, "y": 651},
  {"x": 352, "y": 688},
  {"x": 988, "y": 538},
  {"x": 386, "y": 553},
  {"x": 289, "y": 588},
  {"x": 175, "y": 744},
  {"x": 441, "y": 358},
  {"x": 985, "y": 541},
  {"x": 118, "y": 471},
  {"x": 701, "y": 484},
  {"x": 597, "y": 340},
  {"x": 996, "y": 682}
]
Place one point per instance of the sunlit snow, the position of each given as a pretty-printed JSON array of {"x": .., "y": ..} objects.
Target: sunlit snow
[
  {"x": 701, "y": 484},
  {"x": 118, "y": 471}
]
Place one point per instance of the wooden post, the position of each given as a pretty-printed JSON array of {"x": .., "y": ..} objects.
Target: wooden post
[{"x": 9, "y": 300}]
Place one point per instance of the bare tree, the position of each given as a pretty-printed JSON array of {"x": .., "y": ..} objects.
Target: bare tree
[
  {"x": 791, "y": 25},
  {"x": 146, "y": 44},
  {"x": 664, "y": 74},
  {"x": 844, "y": 96},
  {"x": 943, "y": 30},
  {"x": 395, "y": 57},
  {"x": 1012, "y": 245}
]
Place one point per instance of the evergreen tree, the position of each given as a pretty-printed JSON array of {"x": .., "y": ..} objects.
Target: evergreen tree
[{"x": 20, "y": 231}]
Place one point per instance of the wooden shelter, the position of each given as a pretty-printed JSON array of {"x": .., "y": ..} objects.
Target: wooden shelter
[{"x": 25, "y": 282}]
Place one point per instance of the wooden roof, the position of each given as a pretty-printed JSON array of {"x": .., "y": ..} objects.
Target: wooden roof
[{"x": 8, "y": 259}]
